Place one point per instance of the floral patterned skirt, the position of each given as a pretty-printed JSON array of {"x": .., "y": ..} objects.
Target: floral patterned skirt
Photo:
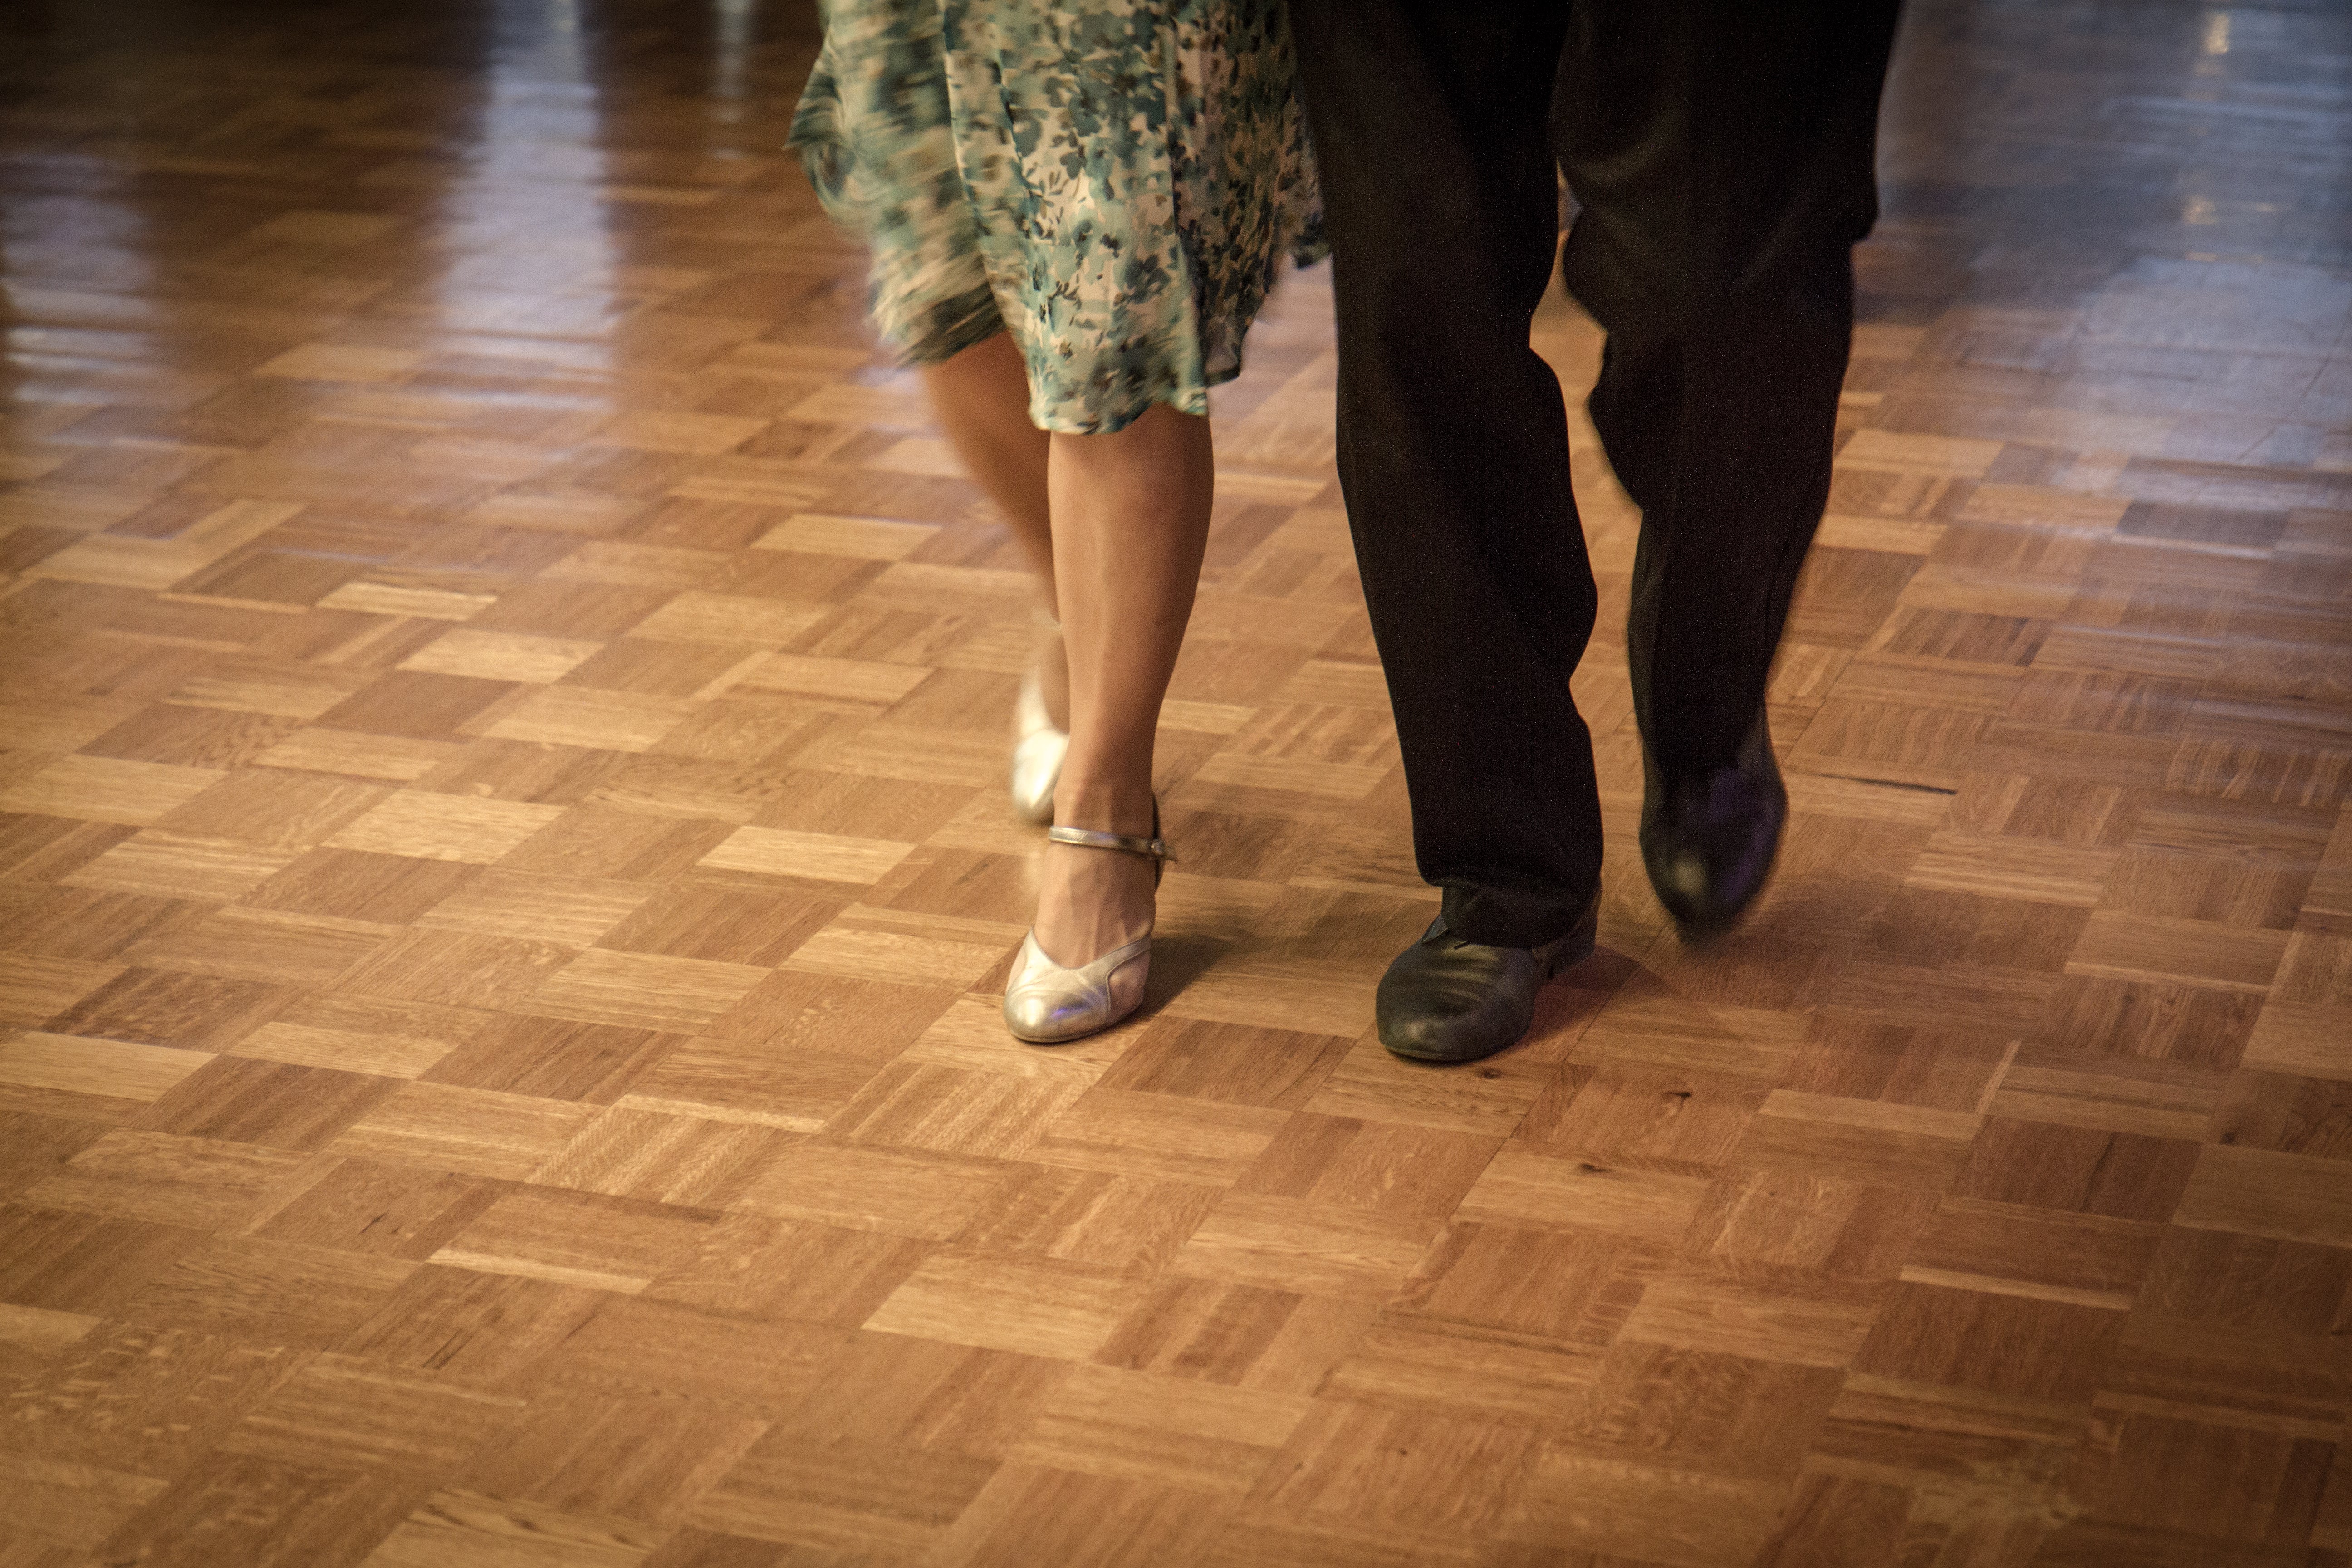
[{"x": 1115, "y": 182}]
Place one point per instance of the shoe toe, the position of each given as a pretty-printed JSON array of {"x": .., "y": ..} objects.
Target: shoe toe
[
  {"x": 1455, "y": 1005},
  {"x": 1708, "y": 841},
  {"x": 1046, "y": 1004},
  {"x": 1708, "y": 862},
  {"x": 1037, "y": 1016},
  {"x": 1683, "y": 875}
]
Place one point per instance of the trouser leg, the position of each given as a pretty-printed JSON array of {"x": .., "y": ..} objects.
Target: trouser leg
[
  {"x": 1721, "y": 155},
  {"x": 1429, "y": 126}
]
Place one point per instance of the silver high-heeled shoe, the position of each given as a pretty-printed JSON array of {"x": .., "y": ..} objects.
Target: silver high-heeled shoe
[
  {"x": 1046, "y": 1004},
  {"x": 1039, "y": 745}
]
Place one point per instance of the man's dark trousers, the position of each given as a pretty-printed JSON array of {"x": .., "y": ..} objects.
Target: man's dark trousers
[{"x": 1720, "y": 155}]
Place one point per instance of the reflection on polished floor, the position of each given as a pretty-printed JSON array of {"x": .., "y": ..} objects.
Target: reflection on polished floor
[{"x": 504, "y": 877}]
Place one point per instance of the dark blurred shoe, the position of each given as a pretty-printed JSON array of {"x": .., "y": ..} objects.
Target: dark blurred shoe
[
  {"x": 1447, "y": 1000},
  {"x": 1709, "y": 842}
]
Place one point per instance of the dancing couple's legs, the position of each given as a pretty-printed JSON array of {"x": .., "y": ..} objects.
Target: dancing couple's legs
[{"x": 1114, "y": 527}]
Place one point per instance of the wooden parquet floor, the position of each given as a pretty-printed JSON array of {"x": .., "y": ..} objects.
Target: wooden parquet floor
[{"x": 504, "y": 879}]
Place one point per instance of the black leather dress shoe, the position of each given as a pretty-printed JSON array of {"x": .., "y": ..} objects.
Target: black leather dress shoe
[
  {"x": 1447, "y": 1000},
  {"x": 1709, "y": 842}
]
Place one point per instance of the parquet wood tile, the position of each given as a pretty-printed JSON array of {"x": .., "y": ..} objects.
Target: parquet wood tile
[{"x": 504, "y": 879}]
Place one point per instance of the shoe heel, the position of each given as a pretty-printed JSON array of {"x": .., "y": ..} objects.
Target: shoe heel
[
  {"x": 1581, "y": 941},
  {"x": 1038, "y": 748}
]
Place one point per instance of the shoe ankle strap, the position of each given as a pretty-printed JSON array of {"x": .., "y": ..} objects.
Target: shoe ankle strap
[{"x": 1153, "y": 849}]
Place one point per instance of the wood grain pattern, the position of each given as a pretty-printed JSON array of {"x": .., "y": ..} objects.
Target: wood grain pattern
[{"x": 504, "y": 879}]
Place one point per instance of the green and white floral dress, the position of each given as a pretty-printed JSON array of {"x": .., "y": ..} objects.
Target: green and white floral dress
[{"x": 1115, "y": 182}]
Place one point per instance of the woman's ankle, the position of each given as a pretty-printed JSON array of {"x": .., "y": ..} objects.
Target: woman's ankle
[
  {"x": 1091, "y": 901},
  {"x": 1105, "y": 807}
]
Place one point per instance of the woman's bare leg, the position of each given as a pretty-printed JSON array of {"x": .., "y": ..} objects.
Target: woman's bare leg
[
  {"x": 1130, "y": 522},
  {"x": 980, "y": 398},
  {"x": 1115, "y": 527}
]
